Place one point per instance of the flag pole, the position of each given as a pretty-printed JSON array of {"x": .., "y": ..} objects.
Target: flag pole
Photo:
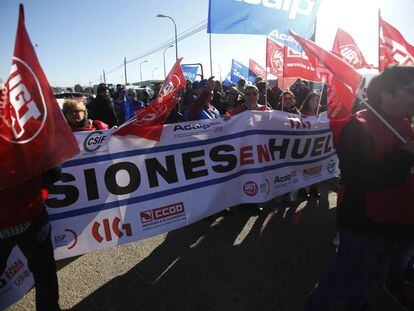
[
  {"x": 363, "y": 101},
  {"x": 379, "y": 39}
]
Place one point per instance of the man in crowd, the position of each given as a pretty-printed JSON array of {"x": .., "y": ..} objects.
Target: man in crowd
[
  {"x": 300, "y": 90},
  {"x": 240, "y": 85},
  {"x": 76, "y": 114},
  {"x": 251, "y": 97},
  {"x": 217, "y": 100},
  {"x": 376, "y": 199},
  {"x": 202, "y": 109},
  {"x": 24, "y": 222},
  {"x": 102, "y": 107}
]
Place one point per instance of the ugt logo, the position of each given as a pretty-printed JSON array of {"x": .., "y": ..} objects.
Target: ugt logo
[
  {"x": 351, "y": 54},
  {"x": 108, "y": 229},
  {"x": 25, "y": 112}
]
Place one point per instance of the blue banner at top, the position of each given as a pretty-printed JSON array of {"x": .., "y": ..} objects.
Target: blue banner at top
[
  {"x": 272, "y": 18},
  {"x": 190, "y": 72}
]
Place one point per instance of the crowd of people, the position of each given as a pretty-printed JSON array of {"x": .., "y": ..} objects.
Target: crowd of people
[{"x": 375, "y": 203}]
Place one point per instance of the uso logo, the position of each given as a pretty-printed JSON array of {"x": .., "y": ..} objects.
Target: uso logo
[
  {"x": 250, "y": 188},
  {"x": 25, "y": 112}
]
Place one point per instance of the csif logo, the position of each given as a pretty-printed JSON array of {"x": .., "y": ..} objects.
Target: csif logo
[
  {"x": 94, "y": 141},
  {"x": 25, "y": 113},
  {"x": 294, "y": 8}
]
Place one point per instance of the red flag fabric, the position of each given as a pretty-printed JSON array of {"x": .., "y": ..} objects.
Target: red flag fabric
[
  {"x": 256, "y": 69},
  {"x": 34, "y": 135},
  {"x": 297, "y": 64},
  {"x": 148, "y": 122},
  {"x": 393, "y": 48},
  {"x": 345, "y": 47},
  {"x": 274, "y": 57},
  {"x": 339, "y": 68},
  {"x": 343, "y": 83}
]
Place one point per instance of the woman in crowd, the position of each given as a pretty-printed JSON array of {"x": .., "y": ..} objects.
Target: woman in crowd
[
  {"x": 288, "y": 103},
  {"x": 310, "y": 106},
  {"x": 251, "y": 97}
]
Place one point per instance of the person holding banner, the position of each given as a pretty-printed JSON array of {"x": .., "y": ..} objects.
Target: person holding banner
[
  {"x": 233, "y": 99},
  {"x": 202, "y": 109},
  {"x": 288, "y": 103},
  {"x": 310, "y": 106},
  {"x": 24, "y": 223},
  {"x": 251, "y": 98},
  {"x": 76, "y": 114},
  {"x": 376, "y": 198}
]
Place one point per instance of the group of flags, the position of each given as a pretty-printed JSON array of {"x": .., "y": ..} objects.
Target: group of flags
[{"x": 35, "y": 137}]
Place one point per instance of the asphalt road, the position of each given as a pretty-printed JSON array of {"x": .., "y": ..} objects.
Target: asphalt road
[{"x": 243, "y": 260}]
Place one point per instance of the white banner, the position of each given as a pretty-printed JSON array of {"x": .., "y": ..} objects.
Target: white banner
[{"x": 124, "y": 189}]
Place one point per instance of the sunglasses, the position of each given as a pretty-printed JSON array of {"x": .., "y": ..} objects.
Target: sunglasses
[{"x": 249, "y": 94}]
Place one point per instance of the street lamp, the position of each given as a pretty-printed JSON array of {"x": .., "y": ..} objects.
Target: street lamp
[
  {"x": 165, "y": 72},
  {"x": 175, "y": 30},
  {"x": 140, "y": 69},
  {"x": 153, "y": 70}
]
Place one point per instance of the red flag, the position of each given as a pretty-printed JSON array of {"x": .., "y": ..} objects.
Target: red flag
[
  {"x": 393, "y": 48},
  {"x": 343, "y": 82},
  {"x": 34, "y": 135},
  {"x": 345, "y": 47},
  {"x": 297, "y": 64},
  {"x": 274, "y": 57},
  {"x": 339, "y": 68},
  {"x": 148, "y": 122},
  {"x": 256, "y": 69}
]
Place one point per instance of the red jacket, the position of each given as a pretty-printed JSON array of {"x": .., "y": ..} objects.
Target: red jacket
[
  {"x": 92, "y": 125},
  {"x": 376, "y": 196},
  {"x": 21, "y": 203}
]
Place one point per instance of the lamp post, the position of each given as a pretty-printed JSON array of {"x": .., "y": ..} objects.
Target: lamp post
[
  {"x": 153, "y": 70},
  {"x": 163, "y": 57},
  {"x": 175, "y": 31},
  {"x": 140, "y": 69}
]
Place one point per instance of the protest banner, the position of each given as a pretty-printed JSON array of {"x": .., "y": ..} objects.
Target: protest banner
[{"x": 121, "y": 189}]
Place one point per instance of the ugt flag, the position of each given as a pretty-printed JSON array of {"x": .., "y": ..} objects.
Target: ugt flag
[
  {"x": 394, "y": 49},
  {"x": 190, "y": 72},
  {"x": 34, "y": 135},
  {"x": 343, "y": 84},
  {"x": 345, "y": 47},
  {"x": 264, "y": 17},
  {"x": 148, "y": 122}
]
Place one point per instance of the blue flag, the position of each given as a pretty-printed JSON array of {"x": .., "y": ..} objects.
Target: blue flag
[
  {"x": 272, "y": 18},
  {"x": 190, "y": 72},
  {"x": 128, "y": 109},
  {"x": 240, "y": 71}
]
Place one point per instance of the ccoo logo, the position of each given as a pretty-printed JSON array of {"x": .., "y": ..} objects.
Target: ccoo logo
[{"x": 25, "y": 112}]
